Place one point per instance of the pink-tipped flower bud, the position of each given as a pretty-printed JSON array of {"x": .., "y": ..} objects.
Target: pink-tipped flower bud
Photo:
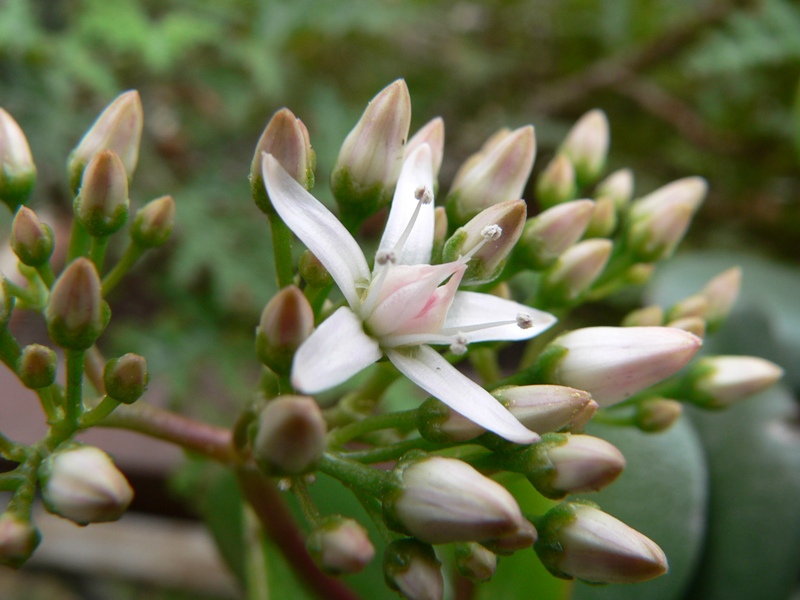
[
  {"x": 286, "y": 138},
  {"x": 290, "y": 435},
  {"x": 440, "y": 500},
  {"x": 691, "y": 306},
  {"x": 18, "y": 539},
  {"x": 36, "y": 366},
  {"x": 432, "y": 133},
  {"x": 487, "y": 239},
  {"x": 126, "y": 378},
  {"x": 577, "y": 540},
  {"x": 475, "y": 562},
  {"x": 76, "y": 314},
  {"x": 17, "y": 171},
  {"x": 613, "y": 363},
  {"x": 286, "y": 322},
  {"x": 82, "y": 484},
  {"x": 31, "y": 240},
  {"x": 495, "y": 174},
  {"x": 720, "y": 381},
  {"x": 522, "y": 539},
  {"x": 586, "y": 146},
  {"x": 649, "y": 316},
  {"x": 604, "y": 219},
  {"x": 545, "y": 408},
  {"x": 575, "y": 271},
  {"x": 411, "y": 568},
  {"x": 548, "y": 235},
  {"x": 658, "y": 222},
  {"x": 556, "y": 184},
  {"x": 371, "y": 157},
  {"x": 618, "y": 186},
  {"x": 118, "y": 128},
  {"x": 340, "y": 546},
  {"x": 152, "y": 226},
  {"x": 721, "y": 293},
  {"x": 102, "y": 203},
  {"x": 695, "y": 325},
  {"x": 657, "y": 414},
  {"x": 564, "y": 464},
  {"x": 313, "y": 271}
]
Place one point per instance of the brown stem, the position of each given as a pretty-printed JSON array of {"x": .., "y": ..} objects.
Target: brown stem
[
  {"x": 212, "y": 442},
  {"x": 624, "y": 66},
  {"x": 277, "y": 521}
]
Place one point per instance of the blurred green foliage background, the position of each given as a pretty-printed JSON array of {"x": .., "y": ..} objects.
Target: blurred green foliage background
[{"x": 690, "y": 87}]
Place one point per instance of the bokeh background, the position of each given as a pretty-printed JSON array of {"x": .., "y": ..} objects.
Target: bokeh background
[{"x": 690, "y": 87}]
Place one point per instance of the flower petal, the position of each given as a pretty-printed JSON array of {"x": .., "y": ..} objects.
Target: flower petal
[
  {"x": 417, "y": 172},
  {"x": 336, "y": 351},
  {"x": 317, "y": 228},
  {"x": 472, "y": 315},
  {"x": 430, "y": 371}
]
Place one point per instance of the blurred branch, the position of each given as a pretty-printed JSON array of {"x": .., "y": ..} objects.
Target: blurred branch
[{"x": 623, "y": 67}]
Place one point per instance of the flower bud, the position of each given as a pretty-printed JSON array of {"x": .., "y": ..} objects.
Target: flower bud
[
  {"x": 76, "y": 313},
  {"x": 575, "y": 271},
  {"x": 556, "y": 183},
  {"x": 545, "y": 408},
  {"x": 102, "y": 203},
  {"x": 18, "y": 539},
  {"x": 604, "y": 219},
  {"x": 126, "y": 378},
  {"x": 694, "y": 325},
  {"x": 475, "y": 562},
  {"x": 313, "y": 271},
  {"x": 340, "y": 546},
  {"x": 36, "y": 366},
  {"x": 657, "y": 414},
  {"x": 371, "y": 157},
  {"x": 495, "y": 174},
  {"x": 437, "y": 422},
  {"x": 564, "y": 464},
  {"x": 82, "y": 484},
  {"x": 439, "y": 233},
  {"x": 440, "y": 500},
  {"x": 286, "y": 322},
  {"x": 31, "y": 240},
  {"x": 290, "y": 436},
  {"x": 658, "y": 222},
  {"x": 691, "y": 306},
  {"x": 613, "y": 363},
  {"x": 720, "y": 381},
  {"x": 618, "y": 187},
  {"x": 17, "y": 171},
  {"x": 7, "y": 302},
  {"x": 721, "y": 293},
  {"x": 586, "y": 146},
  {"x": 118, "y": 128},
  {"x": 286, "y": 138},
  {"x": 577, "y": 540},
  {"x": 649, "y": 316},
  {"x": 548, "y": 235},
  {"x": 487, "y": 239},
  {"x": 411, "y": 568},
  {"x": 522, "y": 539},
  {"x": 153, "y": 223},
  {"x": 432, "y": 133}
]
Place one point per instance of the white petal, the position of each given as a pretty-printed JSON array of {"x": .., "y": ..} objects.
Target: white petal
[
  {"x": 336, "y": 351},
  {"x": 318, "y": 228},
  {"x": 430, "y": 371},
  {"x": 417, "y": 172},
  {"x": 470, "y": 310}
]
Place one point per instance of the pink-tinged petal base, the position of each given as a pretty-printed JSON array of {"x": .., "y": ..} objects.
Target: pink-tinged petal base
[
  {"x": 430, "y": 371},
  {"x": 336, "y": 351}
]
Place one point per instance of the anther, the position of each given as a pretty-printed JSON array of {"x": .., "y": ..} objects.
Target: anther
[
  {"x": 459, "y": 345},
  {"x": 423, "y": 194},
  {"x": 385, "y": 257},
  {"x": 524, "y": 321},
  {"x": 492, "y": 232}
]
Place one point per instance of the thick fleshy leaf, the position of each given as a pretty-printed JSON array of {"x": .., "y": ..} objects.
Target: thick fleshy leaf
[
  {"x": 336, "y": 351},
  {"x": 416, "y": 249},
  {"x": 430, "y": 371},
  {"x": 472, "y": 314},
  {"x": 318, "y": 228}
]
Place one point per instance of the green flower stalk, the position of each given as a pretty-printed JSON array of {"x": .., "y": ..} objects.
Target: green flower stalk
[
  {"x": 17, "y": 171},
  {"x": 118, "y": 128}
]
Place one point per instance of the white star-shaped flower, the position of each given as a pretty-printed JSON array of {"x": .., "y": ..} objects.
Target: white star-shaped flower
[{"x": 403, "y": 304}]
